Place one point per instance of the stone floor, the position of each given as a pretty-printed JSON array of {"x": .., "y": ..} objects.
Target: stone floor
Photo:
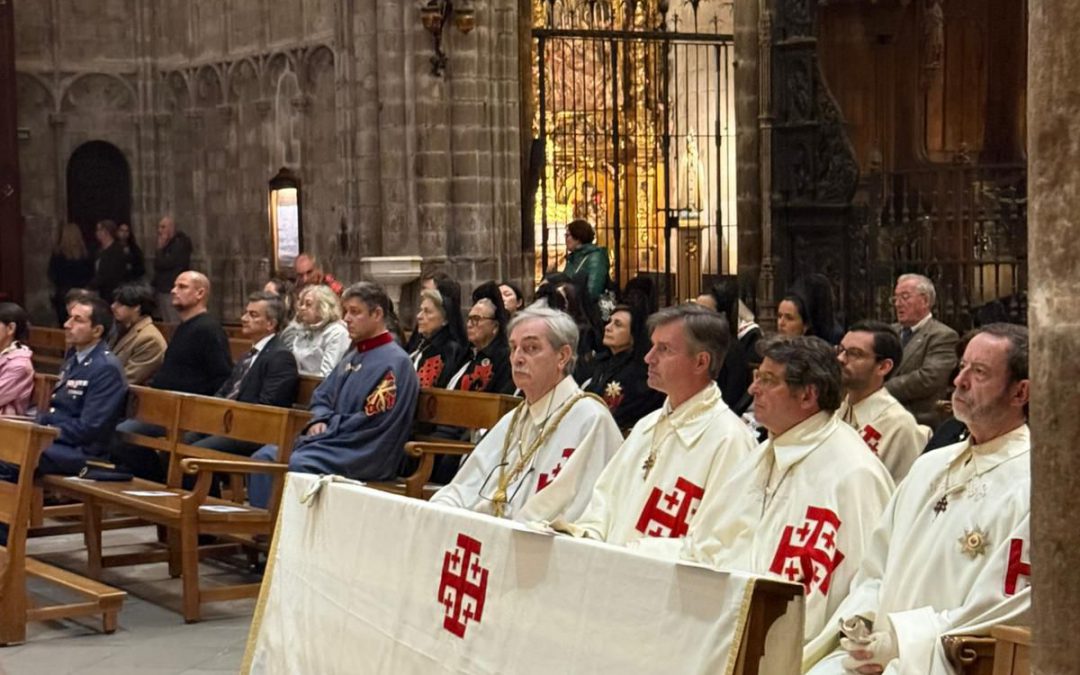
[{"x": 152, "y": 638}]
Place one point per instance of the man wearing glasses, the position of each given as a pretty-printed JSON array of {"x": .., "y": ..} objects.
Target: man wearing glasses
[
  {"x": 803, "y": 506},
  {"x": 676, "y": 454},
  {"x": 929, "y": 350},
  {"x": 952, "y": 552},
  {"x": 541, "y": 459},
  {"x": 868, "y": 354}
]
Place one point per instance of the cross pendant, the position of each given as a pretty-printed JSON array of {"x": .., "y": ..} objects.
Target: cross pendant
[
  {"x": 941, "y": 505},
  {"x": 650, "y": 461}
]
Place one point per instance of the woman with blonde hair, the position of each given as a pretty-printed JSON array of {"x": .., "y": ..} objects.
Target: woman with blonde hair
[
  {"x": 70, "y": 266},
  {"x": 318, "y": 337}
]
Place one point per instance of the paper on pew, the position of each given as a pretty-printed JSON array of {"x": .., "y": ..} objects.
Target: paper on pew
[
  {"x": 149, "y": 493},
  {"x": 222, "y": 508}
]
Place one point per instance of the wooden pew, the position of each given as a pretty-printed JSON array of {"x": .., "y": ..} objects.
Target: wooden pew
[
  {"x": 21, "y": 444},
  {"x": 238, "y": 347},
  {"x": 1012, "y": 654},
  {"x": 465, "y": 409},
  {"x": 49, "y": 346},
  {"x": 190, "y": 513},
  {"x": 970, "y": 654},
  {"x": 308, "y": 385},
  {"x": 151, "y": 406},
  {"x": 768, "y": 602}
]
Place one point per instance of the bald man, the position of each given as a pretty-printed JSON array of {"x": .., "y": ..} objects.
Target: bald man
[
  {"x": 197, "y": 361},
  {"x": 172, "y": 257}
]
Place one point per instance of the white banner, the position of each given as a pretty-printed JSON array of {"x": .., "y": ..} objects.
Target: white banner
[{"x": 361, "y": 581}]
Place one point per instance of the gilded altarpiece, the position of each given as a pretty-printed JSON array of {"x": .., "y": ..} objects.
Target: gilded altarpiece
[{"x": 634, "y": 110}]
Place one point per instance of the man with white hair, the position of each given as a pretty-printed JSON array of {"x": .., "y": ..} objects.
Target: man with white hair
[
  {"x": 542, "y": 459},
  {"x": 929, "y": 349},
  {"x": 952, "y": 552}
]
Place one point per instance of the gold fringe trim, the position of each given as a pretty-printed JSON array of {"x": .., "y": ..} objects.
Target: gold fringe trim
[
  {"x": 740, "y": 626},
  {"x": 264, "y": 590}
]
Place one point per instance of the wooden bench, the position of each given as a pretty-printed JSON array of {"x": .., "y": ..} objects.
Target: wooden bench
[
  {"x": 465, "y": 409},
  {"x": 21, "y": 444},
  {"x": 189, "y": 513},
  {"x": 239, "y": 347},
  {"x": 1012, "y": 654},
  {"x": 768, "y": 602},
  {"x": 306, "y": 389},
  {"x": 970, "y": 654},
  {"x": 49, "y": 346}
]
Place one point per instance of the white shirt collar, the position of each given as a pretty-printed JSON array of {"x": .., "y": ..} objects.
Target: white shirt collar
[{"x": 922, "y": 322}]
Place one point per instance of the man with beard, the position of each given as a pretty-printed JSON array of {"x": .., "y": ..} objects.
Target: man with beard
[
  {"x": 868, "y": 354},
  {"x": 542, "y": 459},
  {"x": 951, "y": 554}
]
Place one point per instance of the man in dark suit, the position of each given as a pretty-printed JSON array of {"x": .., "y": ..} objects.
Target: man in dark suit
[
  {"x": 929, "y": 350},
  {"x": 266, "y": 375}
]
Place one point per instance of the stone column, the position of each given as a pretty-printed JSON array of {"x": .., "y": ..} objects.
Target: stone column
[
  {"x": 1054, "y": 316},
  {"x": 10, "y": 213},
  {"x": 747, "y": 113}
]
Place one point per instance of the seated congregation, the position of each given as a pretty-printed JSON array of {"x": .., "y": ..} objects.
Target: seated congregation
[{"x": 818, "y": 456}]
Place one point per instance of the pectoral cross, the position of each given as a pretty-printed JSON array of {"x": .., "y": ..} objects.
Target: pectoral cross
[
  {"x": 647, "y": 466},
  {"x": 941, "y": 505}
]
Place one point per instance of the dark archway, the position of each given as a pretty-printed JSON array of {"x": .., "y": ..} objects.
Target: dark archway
[{"x": 98, "y": 186}]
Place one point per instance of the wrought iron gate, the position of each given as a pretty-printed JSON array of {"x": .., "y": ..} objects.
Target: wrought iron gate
[{"x": 637, "y": 124}]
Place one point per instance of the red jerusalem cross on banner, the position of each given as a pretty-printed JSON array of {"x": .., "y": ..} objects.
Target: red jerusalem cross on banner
[
  {"x": 666, "y": 515},
  {"x": 1017, "y": 568},
  {"x": 547, "y": 479},
  {"x": 809, "y": 554},
  {"x": 463, "y": 585},
  {"x": 871, "y": 436}
]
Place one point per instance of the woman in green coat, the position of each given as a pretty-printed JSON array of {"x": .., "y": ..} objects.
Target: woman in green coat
[{"x": 584, "y": 258}]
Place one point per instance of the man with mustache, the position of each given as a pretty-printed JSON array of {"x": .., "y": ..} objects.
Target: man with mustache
[
  {"x": 951, "y": 554},
  {"x": 676, "y": 454},
  {"x": 542, "y": 459}
]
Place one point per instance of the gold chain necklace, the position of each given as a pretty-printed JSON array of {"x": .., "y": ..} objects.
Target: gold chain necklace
[{"x": 506, "y": 478}]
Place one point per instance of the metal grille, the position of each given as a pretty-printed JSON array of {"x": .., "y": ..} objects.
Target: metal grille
[
  {"x": 638, "y": 129},
  {"x": 964, "y": 227}
]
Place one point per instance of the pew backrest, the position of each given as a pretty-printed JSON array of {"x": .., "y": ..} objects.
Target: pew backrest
[
  {"x": 466, "y": 409},
  {"x": 21, "y": 445}
]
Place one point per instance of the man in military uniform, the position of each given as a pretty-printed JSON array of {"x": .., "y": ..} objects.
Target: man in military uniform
[{"x": 90, "y": 395}]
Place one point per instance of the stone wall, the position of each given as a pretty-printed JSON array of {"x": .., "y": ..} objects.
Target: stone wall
[{"x": 206, "y": 100}]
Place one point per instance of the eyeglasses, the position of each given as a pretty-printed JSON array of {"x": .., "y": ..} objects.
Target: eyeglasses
[
  {"x": 474, "y": 319},
  {"x": 767, "y": 379},
  {"x": 902, "y": 297},
  {"x": 854, "y": 353},
  {"x": 488, "y": 493}
]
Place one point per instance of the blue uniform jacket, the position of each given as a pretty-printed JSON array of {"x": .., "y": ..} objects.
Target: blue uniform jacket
[
  {"x": 367, "y": 404},
  {"x": 87, "y": 401}
]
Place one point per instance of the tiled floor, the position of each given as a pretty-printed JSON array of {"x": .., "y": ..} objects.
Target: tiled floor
[{"x": 152, "y": 638}]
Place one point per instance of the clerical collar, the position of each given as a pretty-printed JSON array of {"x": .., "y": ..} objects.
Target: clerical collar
[{"x": 377, "y": 341}]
